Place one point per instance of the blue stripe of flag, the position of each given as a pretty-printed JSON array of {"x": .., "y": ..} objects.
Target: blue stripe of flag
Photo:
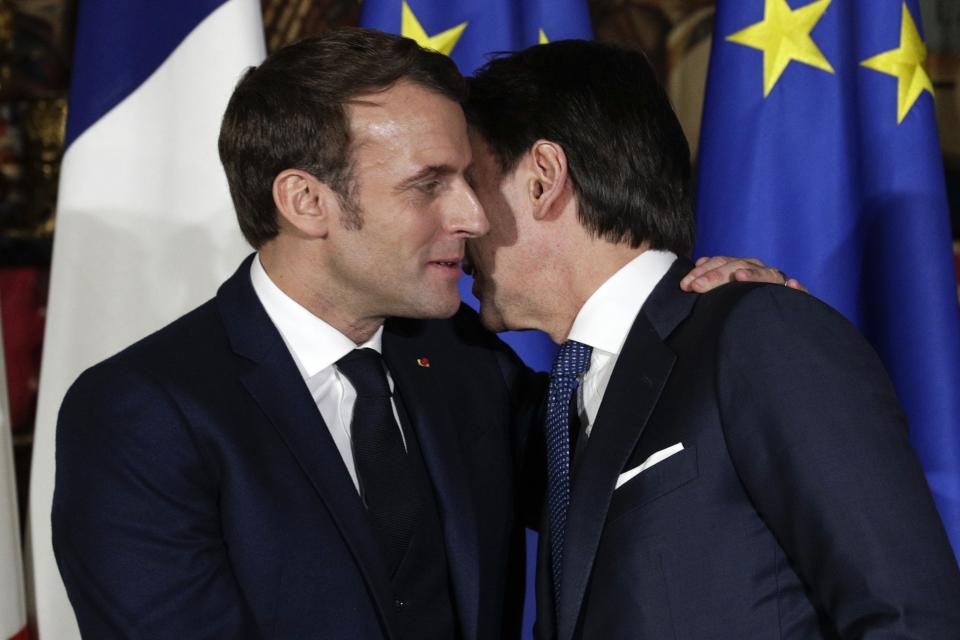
[
  {"x": 821, "y": 180},
  {"x": 118, "y": 46}
]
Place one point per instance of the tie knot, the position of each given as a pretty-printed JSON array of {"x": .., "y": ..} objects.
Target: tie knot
[
  {"x": 572, "y": 360},
  {"x": 364, "y": 370}
]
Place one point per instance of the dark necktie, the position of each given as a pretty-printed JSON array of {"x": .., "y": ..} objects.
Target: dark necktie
[
  {"x": 383, "y": 469},
  {"x": 571, "y": 362}
]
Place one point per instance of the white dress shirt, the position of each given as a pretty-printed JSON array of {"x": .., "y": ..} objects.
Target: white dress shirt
[
  {"x": 605, "y": 319},
  {"x": 316, "y": 346}
]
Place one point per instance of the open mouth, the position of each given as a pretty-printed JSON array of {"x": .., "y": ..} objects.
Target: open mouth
[{"x": 451, "y": 266}]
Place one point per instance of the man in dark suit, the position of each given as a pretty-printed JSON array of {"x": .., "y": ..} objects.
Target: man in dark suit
[
  {"x": 246, "y": 472},
  {"x": 729, "y": 465}
]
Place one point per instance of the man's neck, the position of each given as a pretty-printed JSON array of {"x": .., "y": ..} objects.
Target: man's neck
[
  {"x": 590, "y": 265},
  {"x": 322, "y": 300}
]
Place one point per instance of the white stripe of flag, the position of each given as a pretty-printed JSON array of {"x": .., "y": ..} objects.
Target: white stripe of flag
[{"x": 145, "y": 231}]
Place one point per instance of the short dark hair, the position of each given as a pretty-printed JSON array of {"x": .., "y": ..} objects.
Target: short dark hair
[
  {"x": 627, "y": 156},
  {"x": 289, "y": 112}
]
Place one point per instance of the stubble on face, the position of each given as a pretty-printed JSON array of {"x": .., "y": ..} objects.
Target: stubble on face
[{"x": 499, "y": 261}]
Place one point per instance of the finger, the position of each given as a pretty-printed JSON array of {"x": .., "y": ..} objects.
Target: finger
[
  {"x": 704, "y": 265},
  {"x": 724, "y": 270},
  {"x": 769, "y": 275},
  {"x": 736, "y": 271},
  {"x": 712, "y": 262},
  {"x": 747, "y": 275},
  {"x": 712, "y": 279},
  {"x": 793, "y": 283}
]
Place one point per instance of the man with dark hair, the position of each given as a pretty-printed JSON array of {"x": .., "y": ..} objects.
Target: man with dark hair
[
  {"x": 258, "y": 468},
  {"x": 291, "y": 459},
  {"x": 294, "y": 112},
  {"x": 729, "y": 465}
]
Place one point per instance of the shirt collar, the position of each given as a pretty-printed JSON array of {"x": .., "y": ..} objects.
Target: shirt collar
[
  {"x": 314, "y": 344},
  {"x": 604, "y": 320}
]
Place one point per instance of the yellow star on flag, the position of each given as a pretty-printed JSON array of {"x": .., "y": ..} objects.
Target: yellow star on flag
[
  {"x": 784, "y": 36},
  {"x": 906, "y": 65},
  {"x": 444, "y": 42},
  {"x": 543, "y": 38}
]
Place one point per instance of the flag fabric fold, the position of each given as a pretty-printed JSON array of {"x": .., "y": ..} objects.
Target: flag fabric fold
[
  {"x": 820, "y": 155},
  {"x": 13, "y": 607},
  {"x": 145, "y": 225},
  {"x": 470, "y": 32}
]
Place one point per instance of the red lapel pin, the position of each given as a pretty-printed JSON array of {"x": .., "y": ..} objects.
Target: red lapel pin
[{"x": 423, "y": 362}]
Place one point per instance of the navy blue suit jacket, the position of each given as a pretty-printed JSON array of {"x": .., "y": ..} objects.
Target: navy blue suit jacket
[
  {"x": 796, "y": 510},
  {"x": 199, "y": 493}
]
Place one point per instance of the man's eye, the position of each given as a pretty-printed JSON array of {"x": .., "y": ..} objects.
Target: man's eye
[{"x": 431, "y": 186}]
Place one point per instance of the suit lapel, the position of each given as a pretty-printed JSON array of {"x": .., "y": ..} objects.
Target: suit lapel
[
  {"x": 423, "y": 389},
  {"x": 641, "y": 372},
  {"x": 270, "y": 375}
]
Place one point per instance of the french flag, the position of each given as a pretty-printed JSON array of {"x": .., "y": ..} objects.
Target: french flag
[{"x": 145, "y": 228}]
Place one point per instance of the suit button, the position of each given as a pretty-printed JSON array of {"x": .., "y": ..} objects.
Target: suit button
[{"x": 399, "y": 604}]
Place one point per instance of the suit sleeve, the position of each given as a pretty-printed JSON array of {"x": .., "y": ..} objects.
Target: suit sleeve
[
  {"x": 136, "y": 530},
  {"x": 820, "y": 444}
]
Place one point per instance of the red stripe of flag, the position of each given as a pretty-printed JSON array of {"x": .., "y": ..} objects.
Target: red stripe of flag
[{"x": 24, "y": 634}]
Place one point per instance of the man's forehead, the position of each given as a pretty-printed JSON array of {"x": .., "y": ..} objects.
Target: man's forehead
[
  {"x": 403, "y": 107},
  {"x": 399, "y": 97},
  {"x": 421, "y": 126}
]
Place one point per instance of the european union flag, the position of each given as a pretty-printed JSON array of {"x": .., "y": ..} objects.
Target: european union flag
[
  {"x": 819, "y": 154},
  {"x": 469, "y": 31}
]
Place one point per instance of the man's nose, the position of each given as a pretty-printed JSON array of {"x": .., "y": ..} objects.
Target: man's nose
[{"x": 465, "y": 215}]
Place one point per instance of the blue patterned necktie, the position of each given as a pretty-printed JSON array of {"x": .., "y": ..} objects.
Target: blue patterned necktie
[{"x": 571, "y": 362}]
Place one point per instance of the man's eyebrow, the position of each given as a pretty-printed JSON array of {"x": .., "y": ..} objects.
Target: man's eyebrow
[{"x": 430, "y": 171}]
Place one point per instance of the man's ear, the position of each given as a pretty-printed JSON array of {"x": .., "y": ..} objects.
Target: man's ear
[
  {"x": 304, "y": 202},
  {"x": 548, "y": 188}
]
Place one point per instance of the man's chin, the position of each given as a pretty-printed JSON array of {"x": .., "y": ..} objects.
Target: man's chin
[
  {"x": 438, "y": 309},
  {"x": 491, "y": 320}
]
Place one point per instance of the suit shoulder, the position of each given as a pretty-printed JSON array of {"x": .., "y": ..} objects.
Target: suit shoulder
[
  {"x": 746, "y": 306},
  {"x": 790, "y": 338},
  {"x": 157, "y": 354},
  {"x": 756, "y": 326},
  {"x": 758, "y": 313},
  {"x": 133, "y": 403},
  {"x": 724, "y": 300}
]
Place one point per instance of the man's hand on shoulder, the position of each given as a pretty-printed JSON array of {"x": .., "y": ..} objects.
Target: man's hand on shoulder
[{"x": 712, "y": 272}]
